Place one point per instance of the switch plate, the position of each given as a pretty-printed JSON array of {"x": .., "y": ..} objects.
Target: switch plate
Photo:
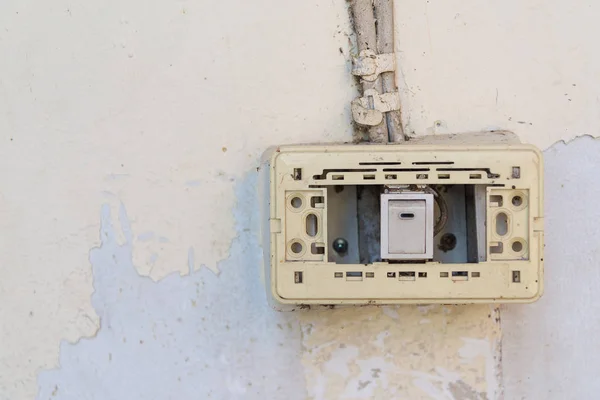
[
  {"x": 499, "y": 239},
  {"x": 406, "y": 226}
]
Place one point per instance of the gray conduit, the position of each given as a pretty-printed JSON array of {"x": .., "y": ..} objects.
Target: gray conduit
[
  {"x": 374, "y": 27},
  {"x": 384, "y": 14},
  {"x": 366, "y": 39}
]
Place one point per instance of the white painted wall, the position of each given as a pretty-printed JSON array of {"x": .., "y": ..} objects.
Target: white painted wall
[{"x": 129, "y": 137}]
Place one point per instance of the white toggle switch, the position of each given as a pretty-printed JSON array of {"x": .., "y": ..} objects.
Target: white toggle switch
[{"x": 406, "y": 226}]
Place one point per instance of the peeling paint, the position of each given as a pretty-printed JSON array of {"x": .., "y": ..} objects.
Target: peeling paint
[
  {"x": 178, "y": 338},
  {"x": 410, "y": 360},
  {"x": 104, "y": 136},
  {"x": 180, "y": 333},
  {"x": 550, "y": 348},
  {"x": 83, "y": 124}
]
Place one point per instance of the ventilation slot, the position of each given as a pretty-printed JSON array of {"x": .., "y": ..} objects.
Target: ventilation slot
[
  {"x": 433, "y": 163},
  {"x": 354, "y": 276},
  {"x": 369, "y": 177},
  {"x": 516, "y": 276},
  {"x": 460, "y": 275},
  {"x": 406, "y": 170},
  {"x": 406, "y": 275},
  {"x": 338, "y": 171},
  {"x": 297, "y": 174},
  {"x": 516, "y": 172},
  {"x": 379, "y": 163},
  {"x": 443, "y": 176},
  {"x": 391, "y": 176},
  {"x": 489, "y": 173}
]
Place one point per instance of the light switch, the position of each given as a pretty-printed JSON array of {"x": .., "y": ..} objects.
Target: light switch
[{"x": 406, "y": 226}]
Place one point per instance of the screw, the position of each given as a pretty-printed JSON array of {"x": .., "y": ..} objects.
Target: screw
[
  {"x": 340, "y": 245},
  {"x": 447, "y": 242}
]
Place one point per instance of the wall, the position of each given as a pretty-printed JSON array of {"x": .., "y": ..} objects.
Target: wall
[
  {"x": 131, "y": 133},
  {"x": 530, "y": 67}
]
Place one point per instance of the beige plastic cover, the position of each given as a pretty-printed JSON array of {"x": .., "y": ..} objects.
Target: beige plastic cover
[{"x": 297, "y": 244}]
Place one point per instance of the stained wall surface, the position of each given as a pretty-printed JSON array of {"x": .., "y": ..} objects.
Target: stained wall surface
[{"x": 130, "y": 134}]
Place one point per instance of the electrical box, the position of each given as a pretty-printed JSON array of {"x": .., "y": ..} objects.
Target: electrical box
[{"x": 454, "y": 219}]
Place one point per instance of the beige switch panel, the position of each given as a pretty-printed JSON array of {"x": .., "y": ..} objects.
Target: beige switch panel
[{"x": 456, "y": 219}]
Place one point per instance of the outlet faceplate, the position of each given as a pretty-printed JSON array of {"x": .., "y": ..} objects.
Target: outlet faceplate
[{"x": 320, "y": 248}]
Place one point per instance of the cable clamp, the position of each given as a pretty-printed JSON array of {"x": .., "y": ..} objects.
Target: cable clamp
[
  {"x": 369, "y": 65},
  {"x": 368, "y": 110}
]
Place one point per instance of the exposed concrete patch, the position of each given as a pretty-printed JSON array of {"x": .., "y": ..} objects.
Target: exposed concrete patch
[
  {"x": 462, "y": 391},
  {"x": 550, "y": 348},
  {"x": 199, "y": 336},
  {"x": 122, "y": 101},
  {"x": 400, "y": 357}
]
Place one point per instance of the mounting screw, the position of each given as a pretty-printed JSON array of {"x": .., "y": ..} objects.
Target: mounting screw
[
  {"x": 447, "y": 242},
  {"x": 340, "y": 245}
]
